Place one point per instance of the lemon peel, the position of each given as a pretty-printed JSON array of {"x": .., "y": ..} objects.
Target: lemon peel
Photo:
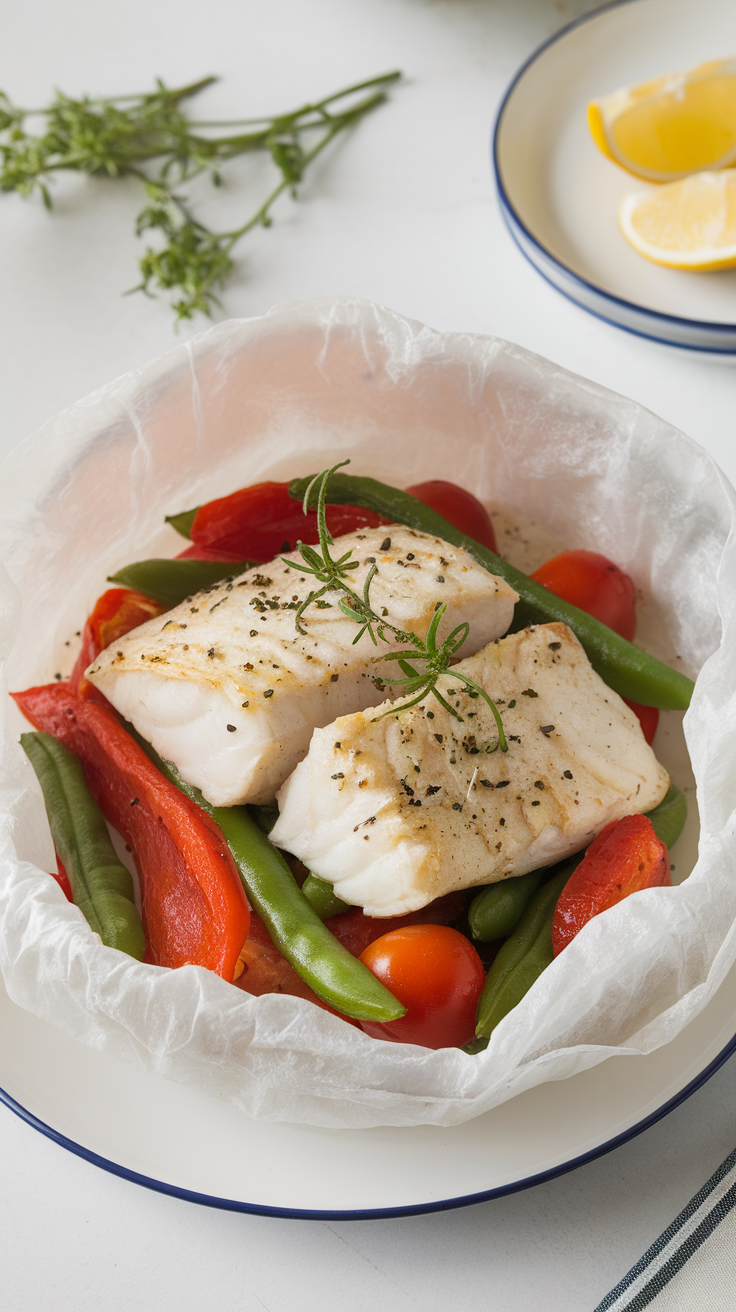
[{"x": 690, "y": 224}]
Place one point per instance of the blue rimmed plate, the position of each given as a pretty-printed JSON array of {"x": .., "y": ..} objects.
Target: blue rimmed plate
[
  {"x": 559, "y": 195},
  {"x": 177, "y": 1140}
]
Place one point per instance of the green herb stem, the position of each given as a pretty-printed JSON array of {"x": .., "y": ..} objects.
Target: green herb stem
[{"x": 121, "y": 136}]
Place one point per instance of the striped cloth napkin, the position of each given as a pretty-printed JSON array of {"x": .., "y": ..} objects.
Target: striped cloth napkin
[{"x": 693, "y": 1263}]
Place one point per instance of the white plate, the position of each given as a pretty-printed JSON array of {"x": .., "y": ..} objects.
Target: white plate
[
  {"x": 559, "y": 194},
  {"x": 174, "y": 1136},
  {"x": 179, "y": 1141}
]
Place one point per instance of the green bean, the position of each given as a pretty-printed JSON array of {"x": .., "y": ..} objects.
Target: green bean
[
  {"x": 333, "y": 973},
  {"x": 495, "y": 910},
  {"x": 669, "y": 817},
  {"x": 625, "y": 668},
  {"x": 322, "y": 897},
  {"x": 101, "y": 886},
  {"x": 183, "y": 521},
  {"x": 172, "y": 581},
  {"x": 265, "y": 816},
  {"x": 524, "y": 955}
]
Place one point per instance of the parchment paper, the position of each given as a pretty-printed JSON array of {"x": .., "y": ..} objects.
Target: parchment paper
[{"x": 285, "y": 395}]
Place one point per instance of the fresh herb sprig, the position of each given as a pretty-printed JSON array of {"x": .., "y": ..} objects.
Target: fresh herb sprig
[
  {"x": 334, "y": 576},
  {"x": 124, "y": 136}
]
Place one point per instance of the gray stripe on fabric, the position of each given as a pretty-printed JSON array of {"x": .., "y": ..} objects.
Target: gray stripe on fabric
[{"x": 658, "y": 1265}]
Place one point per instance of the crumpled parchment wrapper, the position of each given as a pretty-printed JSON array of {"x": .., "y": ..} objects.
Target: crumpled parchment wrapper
[{"x": 309, "y": 384}]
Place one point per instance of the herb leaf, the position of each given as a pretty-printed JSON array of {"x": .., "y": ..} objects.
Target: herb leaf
[
  {"x": 435, "y": 661},
  {"x": 123, "y": 136}
]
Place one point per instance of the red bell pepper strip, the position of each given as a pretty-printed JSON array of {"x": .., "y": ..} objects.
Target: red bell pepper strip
[
  {"x": 258, "y": 523},
  {"x": 207, "y": 553},
  {"x": 116, "y": 612},
  {"x": 625, "y": 858},
  {"x": 194, "y": 909},
  {"x": 62, "y": 879}
]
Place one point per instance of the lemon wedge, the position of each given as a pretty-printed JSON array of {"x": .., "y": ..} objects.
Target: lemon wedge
[
  {"x": 675, "y": 125},
  {"x": 689, "y": 224}
]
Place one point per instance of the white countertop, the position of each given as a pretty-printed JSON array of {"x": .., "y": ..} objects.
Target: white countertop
[{"x": 403, "y": 214}]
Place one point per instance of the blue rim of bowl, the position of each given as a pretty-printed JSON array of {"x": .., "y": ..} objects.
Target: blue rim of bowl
[
  {"x": 513, "y": 219},
  {"x": 371, "y": 1213}
]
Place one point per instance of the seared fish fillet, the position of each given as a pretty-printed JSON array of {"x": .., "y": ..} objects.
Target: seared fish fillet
[
  {"x": 226, "y": 688},
  {"x": 397, "y": 811}
]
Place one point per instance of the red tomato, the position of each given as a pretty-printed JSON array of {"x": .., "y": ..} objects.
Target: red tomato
[
  {"x": 437, "y": 974},
  {"x": 355, "y": 930},
  {"x": 648, "y": 717},
  {"x": 626, "y": 857},
  {"x": 459, "y": 508},
  {"x": 594, "y": 584}
]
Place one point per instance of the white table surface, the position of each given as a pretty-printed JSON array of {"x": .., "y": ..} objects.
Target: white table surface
[{"x": 403, "y": 214}]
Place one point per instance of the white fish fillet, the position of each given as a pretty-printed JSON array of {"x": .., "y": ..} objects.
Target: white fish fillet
[
  {"x": 226, "y": 688},
  {"x": 397, "y": 811}
]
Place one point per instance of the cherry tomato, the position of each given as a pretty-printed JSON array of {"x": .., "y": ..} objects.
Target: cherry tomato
[
  {"x": 437, "y": 974},
  {"x": 355, "y": 930},
  {"x": 459, "y": 507},
  {"x": 625, "y": 858},
  {"x": 595, "y": 585},
  {"x": 648, "y": 717}
]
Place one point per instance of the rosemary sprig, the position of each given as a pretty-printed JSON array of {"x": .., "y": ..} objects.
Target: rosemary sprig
[
  {"x": 123, "y": 136},
  {"x": 334, "y": 576}
]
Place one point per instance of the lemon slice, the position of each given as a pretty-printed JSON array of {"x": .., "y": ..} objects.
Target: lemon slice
[
  {"x": 678, "y": 124},
  {"x": 689, "y": 224}
]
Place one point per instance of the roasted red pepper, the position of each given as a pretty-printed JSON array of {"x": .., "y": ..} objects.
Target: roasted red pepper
[
  {"x": 258, "y": 523},
  {"x": 625, "y": 858},
  {"x": 194, "y": 909},
  {"x": 207, "y": 553},
  {"x": 116, "y": 612}
]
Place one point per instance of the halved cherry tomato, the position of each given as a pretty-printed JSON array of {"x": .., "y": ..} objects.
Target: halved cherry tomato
[
  {"x": 437, "y": 974},
  {"x": 459, "y": 507},
  {"x": 595, "y": 585},
  {"x": 257, "y": 523},
  {"x": 648, "y": 717},
  {"x": 625, "y": 858}
]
